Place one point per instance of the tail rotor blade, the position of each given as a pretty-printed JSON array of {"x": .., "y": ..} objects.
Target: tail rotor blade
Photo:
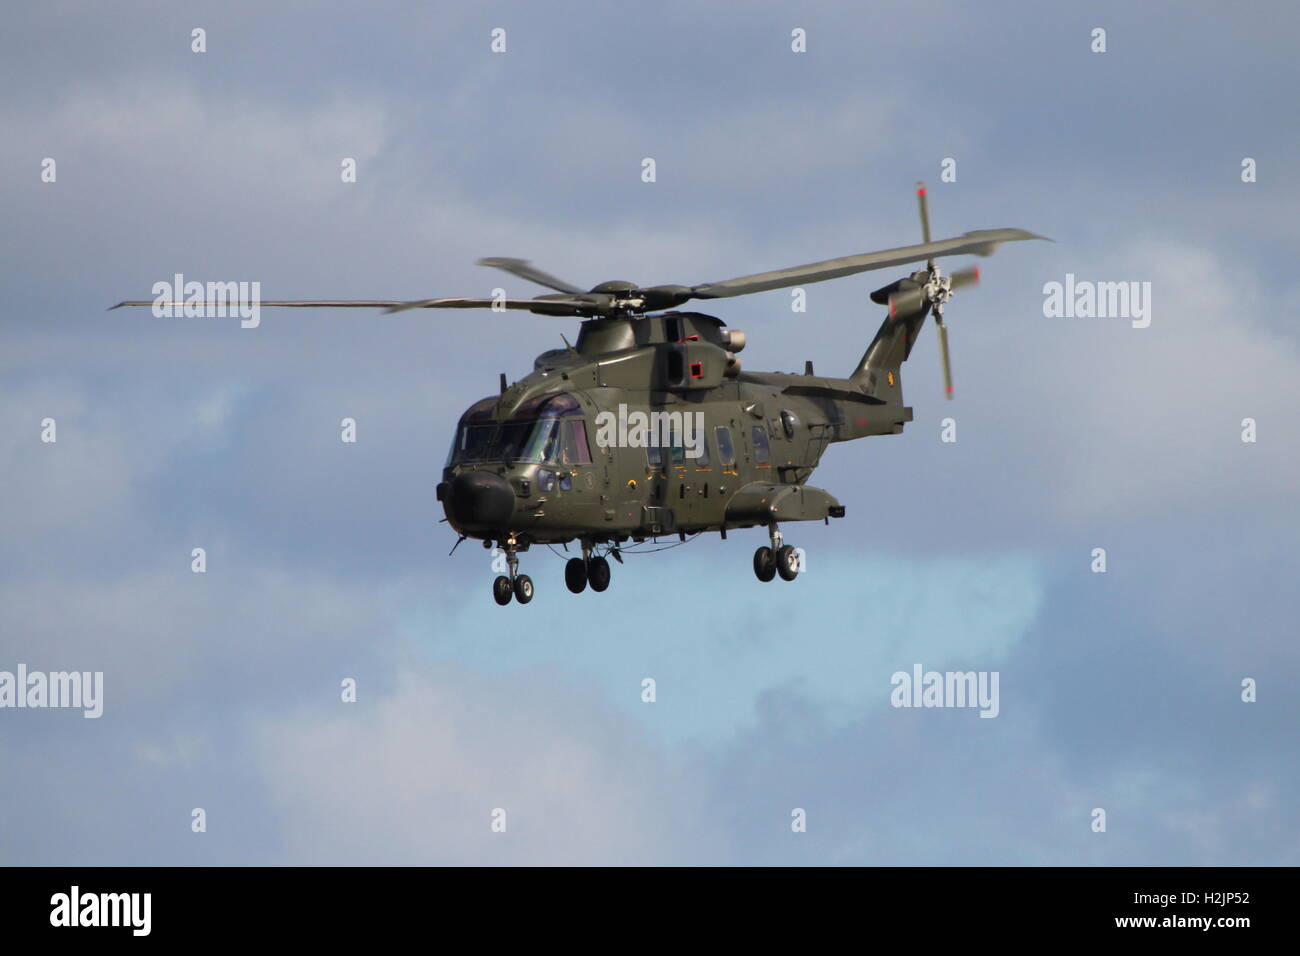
[
  {"x": 925, "y": 213},
  {"x": 943, "y": 352},
  {"x": 964, "y": 277}
]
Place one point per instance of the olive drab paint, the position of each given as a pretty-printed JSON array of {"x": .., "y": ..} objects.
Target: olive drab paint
[{"x": 538, "y": 463}]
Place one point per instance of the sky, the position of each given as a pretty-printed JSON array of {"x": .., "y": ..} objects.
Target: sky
[{"x": 326, "y": 561}]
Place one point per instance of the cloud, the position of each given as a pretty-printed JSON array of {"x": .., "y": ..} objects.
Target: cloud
[
  {"x": 416, "y": 776},
  {"x": 1148, "y": 422}
]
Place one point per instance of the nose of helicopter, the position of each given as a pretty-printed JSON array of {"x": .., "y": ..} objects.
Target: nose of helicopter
[{"x": 479, "y": 500}]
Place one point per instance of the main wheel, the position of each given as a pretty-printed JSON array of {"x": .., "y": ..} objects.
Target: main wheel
[
  {"x": 575, "y": 575},
  {"x": 501, "y": 590},
  {"x": 598, "y": 573},
  {"x": 523, "y": 589},
  {"x": 787, "y": 563},
  {"x": 764, "y": 565}
]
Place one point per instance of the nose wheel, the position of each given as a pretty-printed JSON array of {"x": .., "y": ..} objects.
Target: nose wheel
[{"x": 515, "y": 585}]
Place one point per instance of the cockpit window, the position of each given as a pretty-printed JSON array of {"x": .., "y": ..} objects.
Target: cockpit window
[
  {"x": 504, "y": 441},
  {"x": 573, "y": 448},
  {"x": 472, "y": 443},
  {"x": 515, "y": 440},
  {"x": 560, "y": 442},
  {"x": 543, "y": 440},
  {"x": 544, "y": 431}
]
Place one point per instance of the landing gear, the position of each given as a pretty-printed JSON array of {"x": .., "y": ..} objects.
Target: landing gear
[
  {"x": 598, "y": 573},
  {"x": 780, "y": 558},
  {"x": 787, "y": 563},
  {"x": 588, "y": 569},
  {"x": 502, "y": 591},
  {"x": 515, "y": 585},
  {"x": 575, "y": 575}
]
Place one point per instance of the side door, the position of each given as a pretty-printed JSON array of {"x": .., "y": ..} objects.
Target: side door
[
  {"x": 792, "y": 455},
  {"x": 579, "y": 481},
  {"x": 692, "y": 482},
  {"x": 726, "y": 464}
]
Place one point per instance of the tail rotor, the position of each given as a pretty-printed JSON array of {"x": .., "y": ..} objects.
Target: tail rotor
[{"x": 935, "y": 291}]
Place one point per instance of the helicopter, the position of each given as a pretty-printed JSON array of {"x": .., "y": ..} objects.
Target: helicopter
[{"x": 647, "y": 426}]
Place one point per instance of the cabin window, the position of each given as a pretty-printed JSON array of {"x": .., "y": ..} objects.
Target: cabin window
[
  {"x": 726, "y": 451},
  {"x": 566, "y": 481},
  {"x": 762, "y": 455},
  {"x": 703, "y": 460},
  {"x": 545, "y": 480},
  {"x": 654, "y": 456}
]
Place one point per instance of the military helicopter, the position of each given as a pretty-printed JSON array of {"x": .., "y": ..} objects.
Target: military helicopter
[{"x": 647, "y": 426}]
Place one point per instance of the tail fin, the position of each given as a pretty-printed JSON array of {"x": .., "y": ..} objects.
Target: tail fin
[{"x": 879, "y": 369}]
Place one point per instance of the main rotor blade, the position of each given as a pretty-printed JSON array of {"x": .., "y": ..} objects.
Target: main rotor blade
[
  {"x": 280, "y": 303},
  {"x": 544, "y": 305},
  {"x": 524, "y": 269},
  {"x": 981, "y": 242}
]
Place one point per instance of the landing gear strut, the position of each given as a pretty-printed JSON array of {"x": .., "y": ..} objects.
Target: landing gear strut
[
  {"x": 516, "y": 585},
  {"x": 779, "y": 558}
]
